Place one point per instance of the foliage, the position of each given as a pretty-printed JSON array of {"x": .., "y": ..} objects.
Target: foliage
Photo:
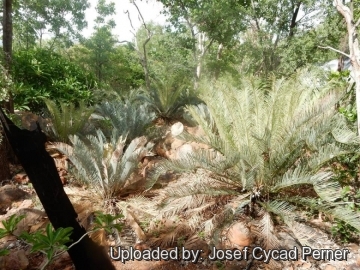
[
  {"x": 220, "y": 20},
  {"x": 107, "y": 166},
  {"x": 168, "y": 97},
  {"x": 6, "y": 84},
  {"x": 129, "y": 119},
  {"x": 40, "y": 73},
  {"x": 267, "y": 138},
  {"x": 344, "y": 231},
  {"x": 106, "y": 222},
  {"x": 10, "y": 225},
  {"x": 55, "y": 242},
  {"x": 68, "y": 120},
  {"x": 50, "y": 243},
  {"x": 168, "y": 50},
  {"x": 32, "y": 19}
]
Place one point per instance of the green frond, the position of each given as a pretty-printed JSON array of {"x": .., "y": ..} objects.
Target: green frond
[
  {"x": 328, "y": 190},
  {"x": 349, "y": 216},
  {"x": 67, "y": 120},
  {"x": 301, "y": 176},
  {"x": 104, "y": 164},
  {"x": 129, "y": 120},
  {"x": 280, "y": 208}
]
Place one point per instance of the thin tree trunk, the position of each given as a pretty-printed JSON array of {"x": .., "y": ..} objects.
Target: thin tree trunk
[
  {"x": 354, "y": 49},
  {"x": 7, "y": 46},
  {"x": 293, "y": 20}
]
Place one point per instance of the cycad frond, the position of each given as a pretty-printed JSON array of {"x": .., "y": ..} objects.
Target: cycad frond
[
  {"x": 266, "y": 231},
  {"x": 104, "y": 164},
  {"x": 67, "y": 120},
  {"x": 167, "y": 97},
  {"x": 306, "y": 235},
  {"x": 349, "y": 216},
  {"x": 129, "y": 120}
]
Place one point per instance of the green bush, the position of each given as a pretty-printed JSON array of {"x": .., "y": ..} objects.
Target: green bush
[{"x": 39, "y": 73}]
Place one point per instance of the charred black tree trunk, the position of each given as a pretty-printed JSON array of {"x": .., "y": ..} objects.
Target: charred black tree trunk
[
  {"x": 29, "y": 147},
  {"x": 4, "y": 162}
]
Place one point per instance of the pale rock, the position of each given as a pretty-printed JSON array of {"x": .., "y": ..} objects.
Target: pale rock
[
  {"x": 330, "y": 267},
  {"x": 184, "y": 151},
  {"x": 177, "y": 129},
  {"x": 176, "y": 144},
  {"x": 239, "y": 234}
]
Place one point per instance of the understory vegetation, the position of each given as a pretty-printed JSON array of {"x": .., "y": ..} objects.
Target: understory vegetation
[{"x": 276, "y": 141}]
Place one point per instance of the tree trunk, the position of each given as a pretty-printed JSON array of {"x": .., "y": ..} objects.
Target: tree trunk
[
  {"x": 354, "y": 49},
  {"x": 7, "y": 46},
  {"x": 293, "y": 19},
  {"x": 4, "y": 162},
  {"x": 29, "y": 147}
]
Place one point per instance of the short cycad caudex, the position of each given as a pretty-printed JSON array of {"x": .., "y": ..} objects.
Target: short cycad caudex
[
  {"x": 105, "y": 165},
  {"x": 267, "y": 139}
]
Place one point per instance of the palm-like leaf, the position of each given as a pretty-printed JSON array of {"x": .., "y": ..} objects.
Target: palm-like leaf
[
  {"x": 167, "y": 97},
  {"x": 67, "y": 120},
  {"x": 129, "y": 120},
  {"x": 103, "y": 164},
  {"x": 267, "y": 138}
]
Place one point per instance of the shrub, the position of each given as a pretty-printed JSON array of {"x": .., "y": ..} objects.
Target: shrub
[{"x": 40, "y": 73}]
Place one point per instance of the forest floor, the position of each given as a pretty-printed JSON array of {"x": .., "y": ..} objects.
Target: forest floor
[{"x": 18, "y": 197}]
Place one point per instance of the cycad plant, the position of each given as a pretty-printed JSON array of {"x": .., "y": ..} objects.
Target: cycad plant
[
  {"x": 270, "y": 144},
  {"x": 68, "y": 119},
  {"x": 129, "y": 119},
  {"x": 106, "y": 166},
  {"x": 168, "y": 97}
]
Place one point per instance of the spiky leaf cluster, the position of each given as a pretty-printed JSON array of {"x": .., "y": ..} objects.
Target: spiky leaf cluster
[
  {"x": 129, "y": 119},
  {"x": 168, "y": 97},
  {"x": 68, "y": 119},
  {"x": 105, "y": 165},
  {"x": 268, "y": 138}
]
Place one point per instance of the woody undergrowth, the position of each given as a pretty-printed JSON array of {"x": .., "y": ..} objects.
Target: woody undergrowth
[{"x": 270, "y": 143}]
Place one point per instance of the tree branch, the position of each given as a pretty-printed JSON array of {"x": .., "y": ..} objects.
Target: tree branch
[
  {"x": 335, "y": 50},
  {"x": 357, "y": 23},
  {"x": 144, "y": 61}
]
